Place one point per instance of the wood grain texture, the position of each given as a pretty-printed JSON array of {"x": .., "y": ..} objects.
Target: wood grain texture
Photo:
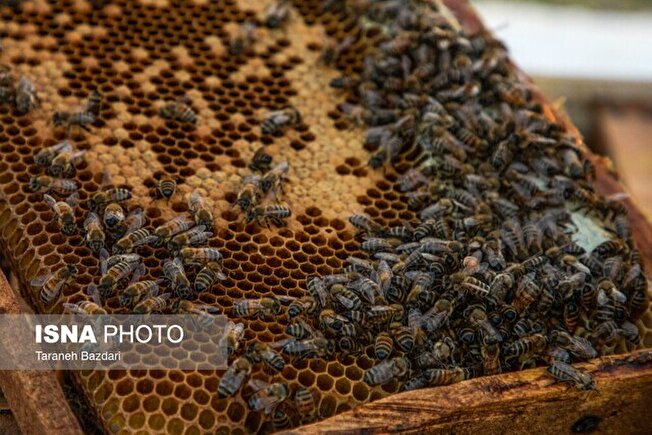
[
  {"x": 35, "y": 397},
  {"x": 525, "y": 402}
]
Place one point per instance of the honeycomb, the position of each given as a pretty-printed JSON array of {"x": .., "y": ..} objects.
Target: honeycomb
[{"x": 139, "y": 55}]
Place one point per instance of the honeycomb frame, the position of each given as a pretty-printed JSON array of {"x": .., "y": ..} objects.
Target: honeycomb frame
[{"x": 70, "y": 49}]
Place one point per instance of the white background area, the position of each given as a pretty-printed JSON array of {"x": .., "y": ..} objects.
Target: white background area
[{"x": 573, "y": 42}]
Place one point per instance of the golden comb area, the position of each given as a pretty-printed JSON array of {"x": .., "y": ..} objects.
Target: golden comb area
[{"x": 140, "y": 55}]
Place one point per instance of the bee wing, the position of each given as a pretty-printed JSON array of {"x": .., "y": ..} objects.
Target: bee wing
[
  {"x": 49, "y": 200},
  {"x": 208, "y": 309},
  {"x": 150, "y": 239},
  {"x": 135, "y": 219},
  {"x": 104, "y": 255},
  {"x": 138, "y": 273},
  {"x": 40, "y": 280},
  {"x": 106, "y": 180},
  {"x": 62, "y": 147},
  {"x": 73, "y": 200},
  {"x": 91, "y": 217},
  {"x": 308, "y": 328},
  {"x": 91, "y": 290},
  {"x": 281, "y": 343},
  {"x": 286, "y": 299},
  {"x": 177, "y": 263},
  {"x": 72, "y": 308},
  {"x": 257, "y": 384}
]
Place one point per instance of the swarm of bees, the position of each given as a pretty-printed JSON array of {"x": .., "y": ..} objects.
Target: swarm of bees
[
  {"x": 487, "y": 279},
  {"x": 114, "y": 232}
]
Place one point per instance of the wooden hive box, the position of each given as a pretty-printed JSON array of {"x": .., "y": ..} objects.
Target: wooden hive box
[{"x": 68, "y": 48}]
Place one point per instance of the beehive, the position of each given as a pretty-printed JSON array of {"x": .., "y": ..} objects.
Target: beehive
[{"x": 138, "y": 55}]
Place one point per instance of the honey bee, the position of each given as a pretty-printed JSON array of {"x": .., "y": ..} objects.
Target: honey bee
[
  {"x": 387, "y": 370},
  {"x": 7, "y": 94},
  {"x": 263, "y": 307},
  {"x": 382, "y": 314},
  {"x": 365, "y": 224},
  {"x": 133, "y": 240},
  {"x": 51, "y": 284},
  {"x": 45, "y": 156},
  {"x": 113, "y": 275},
  {"x": 564, "y": 372},
  {"x": 199, "y": 255},
  {"x": 304, "y": 305},
  {"x": 65, "y": 163},
  {"x": 194, "y": 236},
  {"x": 207, "y": 276},
  {"x": 95, "y": 236},
  {"x": 333, "y": 52},
  {"x": 411, "y": 180},
  {"x": 25, "y": 97},
  {"x": 114, "y": 215},
  {"x": 261, "y": 161},
  {"x": 533, "y": 344},
  {"x": 262, "y": 352},
  {"x": 178, "y": 110},
  {"x": 94, "y": 103},
  {"x": 202, "y": 315},
  {"x": 152, "y": 304},
  {"x": 81, "y": 119},
  {"x": 277, "y": 13},
  {"x": 266, "y": 396},
  {"x": 300, "y": 329},
  {"x": 279, "y": 120},
  {"x": 273, "y": 180},
  {"x": 438, "y": 315},
  {"x": 281, "y": 420},
  {"x": 172, "y": 227},
  {"x": 336, "y": 322},
  {"x": 243, "y": 38},
  {"x": 403, "y": 336},
  {"x": 138, "y": 291},
  {"x": 250, "y": 193},
  {"x": 266, "y": 214},
  {"x": 104, "y": 197},
  {"x": 383, "y": 346},
  {"x": 166, "y": 188},
  {"x": 64, "y": 212},
  {"x": 317, "y": 346},
  {"x": 87, "y": 308},
  {"x": 490, "y": 351},
  {"x": 176, "y": 275},
  {"x": 345, "y": 297},
  {"x": 234, "y": 377},
  {"x": 200, "y": 211},
  {"x": 438, "y": 377},
  {"x": 47, "y": 184},
  {"x": 305, "y": 402},
  {"x": 234, "y": 333},
  {"x": 367, "y": 289}
]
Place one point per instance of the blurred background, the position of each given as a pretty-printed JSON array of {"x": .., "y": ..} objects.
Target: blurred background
[{"x": 592, "y": 58}]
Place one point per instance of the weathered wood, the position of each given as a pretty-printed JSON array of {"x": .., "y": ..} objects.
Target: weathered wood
[
  {"x": 35, "y": 397},
  {"x": 525, "y": 402}
]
